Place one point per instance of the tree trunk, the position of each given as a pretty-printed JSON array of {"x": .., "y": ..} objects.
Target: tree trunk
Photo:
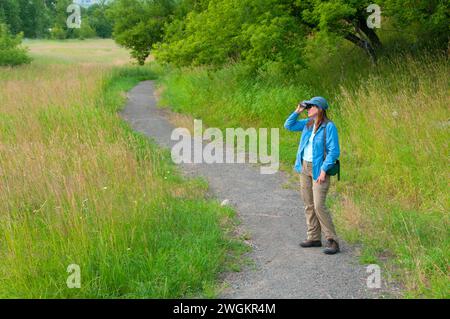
[
  {"x": 365, "y": 38},
  {"x": 370, "y": 33},
  {"x": 364, "y": 44}
]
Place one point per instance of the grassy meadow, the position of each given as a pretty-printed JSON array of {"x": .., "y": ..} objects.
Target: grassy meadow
[
  {"x": 77, "y": 186},
  {"x": 89, "y": 51},
  {"x": 393, "y": 123}
]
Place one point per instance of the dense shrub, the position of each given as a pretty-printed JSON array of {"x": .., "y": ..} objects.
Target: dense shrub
[
  {"x": 86, "y": 31},
  {"x": 11, "y": 51},
  {"x": 57, "y": 33}
]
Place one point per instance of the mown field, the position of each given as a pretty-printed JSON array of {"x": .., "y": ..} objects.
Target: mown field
[
  {"x": 77, "y": 186},
  {"x": 393, "y": 121}
]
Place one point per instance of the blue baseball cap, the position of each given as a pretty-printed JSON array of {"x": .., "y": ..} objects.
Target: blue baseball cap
[{"x": 318, "y": 101}]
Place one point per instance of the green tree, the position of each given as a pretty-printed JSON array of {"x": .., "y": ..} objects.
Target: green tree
[
  {"x": 138, "y": 24},
  {"x": 11, "y": 51},
  {"x": 99, "y": 20},
  {"x": 259, "y": 32},
  {"x": 10, "y": 15},
  {"x": 34, "y": 16},
  {"x": 343, "y": 18},
  {"x": 428, "y": 20}
]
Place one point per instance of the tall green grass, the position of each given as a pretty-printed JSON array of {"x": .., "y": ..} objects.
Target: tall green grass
[
  {"x": 78, "y": 186},
  {"x": 393, "y": 126}
]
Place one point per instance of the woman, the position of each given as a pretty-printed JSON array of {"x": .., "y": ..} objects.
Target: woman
[{"x": 312, "y": 165}]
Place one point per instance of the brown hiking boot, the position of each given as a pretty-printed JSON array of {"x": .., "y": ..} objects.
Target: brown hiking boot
[
  {"x": 332, "y": 247},
  {"x": 311, "y": 243}
]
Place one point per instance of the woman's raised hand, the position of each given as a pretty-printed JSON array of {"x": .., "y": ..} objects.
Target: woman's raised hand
[{"x": 299, "y": 109}]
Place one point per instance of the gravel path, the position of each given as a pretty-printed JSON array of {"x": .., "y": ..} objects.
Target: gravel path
[{"x": 271, "y": 214}]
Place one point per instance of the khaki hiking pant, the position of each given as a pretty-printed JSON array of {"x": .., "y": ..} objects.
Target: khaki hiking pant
[{"x": 318, "y": 217}]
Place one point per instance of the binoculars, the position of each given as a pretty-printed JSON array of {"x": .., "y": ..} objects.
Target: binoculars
[{"x": 306, "y": 105}]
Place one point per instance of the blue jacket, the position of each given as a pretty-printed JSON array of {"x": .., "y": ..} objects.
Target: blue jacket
[{"x": 332, "y": 144}]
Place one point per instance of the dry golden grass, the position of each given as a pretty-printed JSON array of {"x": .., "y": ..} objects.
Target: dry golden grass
[
  {"x": 351, "y": 215},
  {"x": 62, "y": 148},
  {"x": 181, "y": 120},
  {"x": 89, "y": 52}
]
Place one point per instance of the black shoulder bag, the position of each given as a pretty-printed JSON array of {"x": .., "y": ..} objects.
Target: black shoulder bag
[{"x": 336, "y": 168}]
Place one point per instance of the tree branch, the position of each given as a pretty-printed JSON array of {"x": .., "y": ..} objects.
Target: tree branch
[{"x": 370, "y": 33}]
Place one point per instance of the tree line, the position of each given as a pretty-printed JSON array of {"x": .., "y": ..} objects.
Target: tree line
[
  {"x": 259, "y": 33},
  {"x": 48, "y": 19}
]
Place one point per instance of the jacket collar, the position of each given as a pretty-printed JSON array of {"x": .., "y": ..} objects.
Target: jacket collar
[{"x": 321, "y": 125}]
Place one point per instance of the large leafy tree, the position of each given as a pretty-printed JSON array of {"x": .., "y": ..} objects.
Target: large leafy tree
[
  {"x": 344, "y": 18},
  {"x": 138, "y": 24},
  {"x": 258, "y": 32}
]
